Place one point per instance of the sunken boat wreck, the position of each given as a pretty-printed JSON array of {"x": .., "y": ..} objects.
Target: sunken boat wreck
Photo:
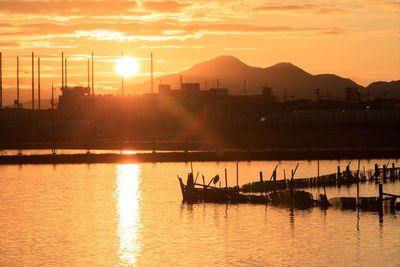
[
  {"x": 287, "y": 193},
  {"x": 193, "y": 192}
]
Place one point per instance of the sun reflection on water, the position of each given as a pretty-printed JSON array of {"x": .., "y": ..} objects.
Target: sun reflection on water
[{"x": 128, "y": 209}]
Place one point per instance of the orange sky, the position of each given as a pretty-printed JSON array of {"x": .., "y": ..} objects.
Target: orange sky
[{"x": 355, "y": 39}]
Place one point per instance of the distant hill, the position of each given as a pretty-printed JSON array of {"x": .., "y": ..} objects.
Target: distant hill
[
  {"x": 284, "y": 78},
  {"x": 384, "y": 89}
]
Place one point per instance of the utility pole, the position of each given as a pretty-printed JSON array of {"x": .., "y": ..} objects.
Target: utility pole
[
  {"x": 33, "y": 82},
  {"x": 92, "y": 74},
  {"x": 39, "y": 83},
  {"x": 151, "y": 72},
  {"x": 17, "y": 82},
  {"x": 122, "y": 76}
]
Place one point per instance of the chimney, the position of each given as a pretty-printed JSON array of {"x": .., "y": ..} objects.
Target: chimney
[
  {"x": 1, "y": 80},
  {"x": 92, "y": 74},
  {"x": 17, "y": 81},
  {"x": 62, "y": 69},
  {"x": 33, "y": 82},
  {"x": 38, "y": 83}
]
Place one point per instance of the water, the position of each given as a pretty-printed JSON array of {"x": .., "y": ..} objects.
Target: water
[{"x": 132, "y": 215}]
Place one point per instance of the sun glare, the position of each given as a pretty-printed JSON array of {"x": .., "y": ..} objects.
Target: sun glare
[{"x": 127, "y": 66}]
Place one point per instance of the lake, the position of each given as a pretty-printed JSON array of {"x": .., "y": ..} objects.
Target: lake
[{"x": 133, "y": 215}]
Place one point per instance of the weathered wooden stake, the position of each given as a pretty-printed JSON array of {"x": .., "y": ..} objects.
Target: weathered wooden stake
[
  {"x": 226, "y": 180},
  {"x": 384, "y": 173},
  {"x": 376, "y": 174},
  {"x": 392, "y": 173},
  {"x": 358, "y": 184},
  {"x": 380, "y": 196},
  {"x": 237, "y": 175}
]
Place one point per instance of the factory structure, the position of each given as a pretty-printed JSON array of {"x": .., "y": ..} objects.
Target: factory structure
[{"x": 172, "y": 107}]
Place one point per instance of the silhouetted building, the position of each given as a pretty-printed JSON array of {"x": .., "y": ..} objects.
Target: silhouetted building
[
  {"x": 267, "y": 93},
  {"x": 191, "y": 88},
  {"x": 353, "y": 95},
  {"x": 164, "y": 89},
  {"x": 218, "y": 91}
]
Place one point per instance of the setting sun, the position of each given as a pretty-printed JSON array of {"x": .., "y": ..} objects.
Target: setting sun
[{"x": 127, "y": 66}]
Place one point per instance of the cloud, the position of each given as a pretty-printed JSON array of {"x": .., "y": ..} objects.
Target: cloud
[
  {"x": 320, "y": 9},
  {"x": 66, "y": 8},
  {"x": 166, "y": 6},
  {"x": 240, "y": 48},
  {"x": 9, "y": 44},
  {"x": 65, "y": 35},
  {"x": 395, "y": 4}
]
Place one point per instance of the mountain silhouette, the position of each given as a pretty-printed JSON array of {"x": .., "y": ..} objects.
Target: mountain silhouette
[
  {"x": 383, "y": 89},
  {"x": 286, "y": 79}
]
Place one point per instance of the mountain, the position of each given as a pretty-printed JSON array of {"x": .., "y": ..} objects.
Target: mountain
[
  {"x": 384, "y": 89},
  {"x": 285, "y": 79}
]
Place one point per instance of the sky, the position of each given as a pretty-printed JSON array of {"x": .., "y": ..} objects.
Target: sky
[{"x": 357, "y": 39}]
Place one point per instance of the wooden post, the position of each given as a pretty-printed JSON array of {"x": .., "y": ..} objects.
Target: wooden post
[
  {"x": 291, "y": 183},
  {"x": 261, "y": 176},
  {"x": 392, "y": 171},
  {"x": 347, "y": 175},
  {"x": 376, "y": 174},
  {"x": 191, "y": 167},
  {"x": 358, "y": 184},
  {"x": 237, "y": 175},
  {"x": 182, "y": 187},
  {"x": 384, "y": 173},
  {"x": 274, "y": 179},
  {"x": 226, "y": 180},
  {"x": 380, "y": 196},
  {"x": 204, "y": 183},
  {"x": 364, "y": 174}
]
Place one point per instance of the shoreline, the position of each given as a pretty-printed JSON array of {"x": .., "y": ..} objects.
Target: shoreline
[{"x": 153, "y": 157}]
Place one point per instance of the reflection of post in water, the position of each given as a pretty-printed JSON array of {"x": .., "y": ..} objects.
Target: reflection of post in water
[
  {"x": 291, "y": 218},
  {"x": 380, "y": 201},
  {"x": 358, "y": 227}
]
